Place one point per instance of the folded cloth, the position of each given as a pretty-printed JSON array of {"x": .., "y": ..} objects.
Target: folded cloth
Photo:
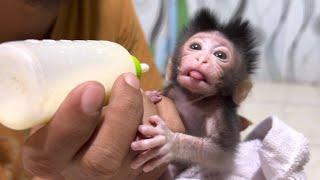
[{"x": 272, "y": 151}]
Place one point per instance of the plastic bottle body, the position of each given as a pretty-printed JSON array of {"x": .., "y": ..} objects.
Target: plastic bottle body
[{"x": 36, "y": 76}]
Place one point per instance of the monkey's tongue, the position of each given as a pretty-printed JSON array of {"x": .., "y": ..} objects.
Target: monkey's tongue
[{"x": 196, "y": 75}]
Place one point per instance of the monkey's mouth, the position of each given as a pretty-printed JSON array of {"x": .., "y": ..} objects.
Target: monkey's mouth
[{"x": 197, "y": 75}]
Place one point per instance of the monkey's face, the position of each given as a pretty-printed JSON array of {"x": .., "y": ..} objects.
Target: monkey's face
[{"x": 205, "y": 58}]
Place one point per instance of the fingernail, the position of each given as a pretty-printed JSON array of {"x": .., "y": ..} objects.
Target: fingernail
[
  {"x": 132, "y": 80},
  {"x": 133, "y": 146},
  {"x": 141, "y": 128},
  {"x": 146, "y": 169},
  {"x": 133, "y": 166},
  {"x": 92, "y": 99}
]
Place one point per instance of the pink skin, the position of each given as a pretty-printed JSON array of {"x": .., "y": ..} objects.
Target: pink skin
[
  {"x": 154, "y": 96},
  {"x": 200, "y": 70}
]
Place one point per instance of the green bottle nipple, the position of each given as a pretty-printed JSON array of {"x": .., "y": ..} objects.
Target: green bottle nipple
[{"x": 140, "y": 67}]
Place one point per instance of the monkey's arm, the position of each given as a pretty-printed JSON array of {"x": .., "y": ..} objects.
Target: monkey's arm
[
  {"x": 164, "y": 146},
  {"x": 203, "y": 151}
]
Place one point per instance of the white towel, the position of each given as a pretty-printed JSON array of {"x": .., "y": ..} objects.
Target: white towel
[{"x": 272, "y": 151}]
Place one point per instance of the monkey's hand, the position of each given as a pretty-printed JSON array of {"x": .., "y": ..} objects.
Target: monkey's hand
[
  {"x": 158, "y": 149},
  {"x": 154, "y": 96}
]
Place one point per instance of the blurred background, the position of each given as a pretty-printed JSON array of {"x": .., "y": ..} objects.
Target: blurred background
[{"x": 287, "y": 83}]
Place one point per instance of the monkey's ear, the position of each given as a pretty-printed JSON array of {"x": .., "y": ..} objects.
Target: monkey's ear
[
  {"x": 242, "y": 91},
  {"x": 168, "y": 70}
]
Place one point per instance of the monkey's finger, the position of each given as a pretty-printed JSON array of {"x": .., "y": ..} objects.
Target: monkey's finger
[
  {"x": 156, "y": 163},
  {"x": 157, "y": 93},
  {"x": 146, "y": 144},
  {"x": 156, "y": 120},
  {"x": 154, "y": 96},
  {"x": 149, "y": 131},
  {"x": 155, "y": 99},
  {"x": 144, "y": 157}
]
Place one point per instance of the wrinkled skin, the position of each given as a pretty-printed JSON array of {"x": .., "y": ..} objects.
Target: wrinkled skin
[
  {"x": 205, "y": 58},
  {"x": 159, "y": 149}
]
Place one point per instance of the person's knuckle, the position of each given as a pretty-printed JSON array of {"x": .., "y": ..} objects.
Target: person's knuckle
[
  {"x": 101, "y": 163},
  {"x": 96, "y": 168},
  {"x": 40, "y": 166},
  {"x": 130, "y": 107}
]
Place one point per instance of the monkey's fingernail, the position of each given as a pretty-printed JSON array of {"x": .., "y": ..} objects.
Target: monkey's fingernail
[
  {"x": 141, "y": 128},
  {"x": 146, "y": 169},
  {"x": 134, "y": 166},
  {"x": 134, "y": 146}
]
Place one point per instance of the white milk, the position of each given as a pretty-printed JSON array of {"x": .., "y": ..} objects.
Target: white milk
[{"x": 36, "y": 76}]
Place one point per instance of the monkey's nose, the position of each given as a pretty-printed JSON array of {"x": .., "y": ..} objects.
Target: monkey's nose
[
  {"x": 202, "y": 57},
  {"x": 202, "y": 60}
]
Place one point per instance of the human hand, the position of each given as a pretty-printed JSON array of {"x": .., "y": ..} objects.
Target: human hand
[
  {"x": 158, "y": 148},
  {"x": 84, "y": 141}
]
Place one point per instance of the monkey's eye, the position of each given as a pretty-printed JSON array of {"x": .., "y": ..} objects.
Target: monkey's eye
[
  {"x": 221, "y": 55},
  {"x": 195, "y": 46}
]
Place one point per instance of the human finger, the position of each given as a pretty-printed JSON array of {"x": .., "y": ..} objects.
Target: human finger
[
  {"x": 118, "y": 128},
  {"x": 48, "y": 150}
]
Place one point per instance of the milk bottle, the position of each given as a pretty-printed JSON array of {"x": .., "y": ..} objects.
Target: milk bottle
[{"x": 36, "y": 76}]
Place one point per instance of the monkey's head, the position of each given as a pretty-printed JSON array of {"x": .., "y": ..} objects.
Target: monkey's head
[{"x": 212, "y": 57}]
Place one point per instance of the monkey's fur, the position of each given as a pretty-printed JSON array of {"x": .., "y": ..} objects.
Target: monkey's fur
[
  {"x": 206, "y": 103},
  {"x": 239, "y": 32}
]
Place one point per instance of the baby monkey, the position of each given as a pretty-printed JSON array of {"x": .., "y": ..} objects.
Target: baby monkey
[{"x": 211, "y": 61}]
